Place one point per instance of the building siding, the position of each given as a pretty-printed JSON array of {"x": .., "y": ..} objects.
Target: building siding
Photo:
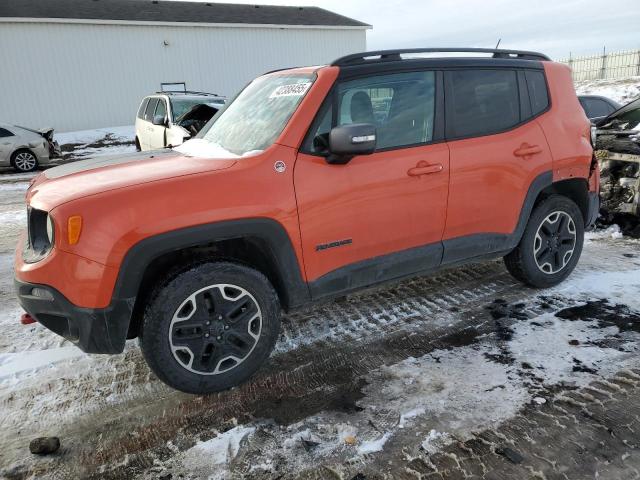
[{"x": 84, "y": 76}]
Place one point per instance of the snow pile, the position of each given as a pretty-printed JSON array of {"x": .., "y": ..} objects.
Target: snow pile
[
  {"x": 374, "y": 445},
  {"x": 620, "y": 90},
  {"x": 220, "y": 450},
  {"x": 612, "y": 231},
  {"x": 435, "y": 441},
  {"x": 126, "y": 133}
]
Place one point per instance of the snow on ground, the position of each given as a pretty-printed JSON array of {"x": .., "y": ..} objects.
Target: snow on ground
[{"x": 620, "y": 90}]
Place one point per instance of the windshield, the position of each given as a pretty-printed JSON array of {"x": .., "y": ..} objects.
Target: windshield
[
  {"x": 253, "y": 121},
  {"x": 180, "y": 106}
]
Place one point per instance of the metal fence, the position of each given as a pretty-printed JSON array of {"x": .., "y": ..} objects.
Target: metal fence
[{"x": 605, "y": 65}]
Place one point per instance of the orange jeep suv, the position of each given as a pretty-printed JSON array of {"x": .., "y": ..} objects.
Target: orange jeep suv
[{"x": 313, "y": 182}]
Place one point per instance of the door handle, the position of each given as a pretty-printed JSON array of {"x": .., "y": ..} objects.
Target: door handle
[
  {"x": 527, "y": 150},
  {"x": 423, "y": 168}
]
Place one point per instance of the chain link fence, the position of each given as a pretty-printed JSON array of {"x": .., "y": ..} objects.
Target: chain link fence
[{"x": 605, "y": 65}]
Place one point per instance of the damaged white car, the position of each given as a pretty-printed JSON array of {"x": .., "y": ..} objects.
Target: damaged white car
[
  {"x": 618, "y": 150},
  {"x": 25, "y": 149}
]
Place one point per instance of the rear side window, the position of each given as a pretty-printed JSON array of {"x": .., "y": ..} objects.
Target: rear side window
[
  {"x": 481, "y": 102},
  {"x": 537, "y": 91},
  {"x": 5, "y": 133},
  {"x": 151, "y": 107},
  {"x": 594, "y": 107},
  {"x": 143, "y": 107}
]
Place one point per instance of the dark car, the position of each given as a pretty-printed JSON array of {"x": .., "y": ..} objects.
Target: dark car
[{"x": 597, "y": 107}]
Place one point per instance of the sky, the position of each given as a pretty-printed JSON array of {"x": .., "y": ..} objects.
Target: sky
[{"x": 554, "y": 27}]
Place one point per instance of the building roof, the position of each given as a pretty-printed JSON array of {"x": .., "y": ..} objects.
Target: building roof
[{"x": 174, "y": 12}]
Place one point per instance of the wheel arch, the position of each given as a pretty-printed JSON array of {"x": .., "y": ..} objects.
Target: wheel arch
[
  {"x": 576, "y": 189},
  {"x": 259, "y": 243}
]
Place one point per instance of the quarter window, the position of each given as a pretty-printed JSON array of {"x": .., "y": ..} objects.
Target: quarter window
[
  {"x": 143, "y": 107},
  {"x": 400, "y": 106},
  {"x": 5, "y": 133},
  {"x": 481, "y": 102},
  {"x": 537, "y": 91}
]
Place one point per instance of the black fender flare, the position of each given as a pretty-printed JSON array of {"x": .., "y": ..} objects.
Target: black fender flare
[{"x": 270, "y": 233}]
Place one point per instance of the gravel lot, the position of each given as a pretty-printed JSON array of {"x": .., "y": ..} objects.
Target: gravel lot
[{"x": 466, "y": 374}]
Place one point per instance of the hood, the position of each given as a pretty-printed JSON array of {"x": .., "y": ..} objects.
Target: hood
[{"x": 75, "y": 180}]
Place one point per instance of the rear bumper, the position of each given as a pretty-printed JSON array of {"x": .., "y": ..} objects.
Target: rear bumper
[
  {"x": 102, "y": 330},
  {"x": 593, "y": 209}
]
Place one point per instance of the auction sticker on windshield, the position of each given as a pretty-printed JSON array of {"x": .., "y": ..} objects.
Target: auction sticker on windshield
[{"x": 291, "y": 90}]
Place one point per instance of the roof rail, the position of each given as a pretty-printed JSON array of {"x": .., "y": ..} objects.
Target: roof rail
[
  {"x": 391, "y": 55},
  {"x": 188, "y": 92}
]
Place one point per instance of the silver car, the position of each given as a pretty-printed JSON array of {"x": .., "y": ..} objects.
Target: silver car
[{"x": 25, "y": 149}]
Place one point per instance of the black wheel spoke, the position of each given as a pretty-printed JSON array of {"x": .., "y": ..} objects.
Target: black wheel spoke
[
  {"x": 544, "y": 255},
  {"x": 219, "y": 322}
]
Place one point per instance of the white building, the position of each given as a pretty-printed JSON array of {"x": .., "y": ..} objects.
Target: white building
[{"x": 81, "y": 64}]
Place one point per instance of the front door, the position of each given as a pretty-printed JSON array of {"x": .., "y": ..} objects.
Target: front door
[{"x": 380, "y": 216}]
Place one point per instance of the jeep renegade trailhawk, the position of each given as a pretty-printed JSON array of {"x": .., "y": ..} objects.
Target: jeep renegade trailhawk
[{"x": 313, "y": 182}]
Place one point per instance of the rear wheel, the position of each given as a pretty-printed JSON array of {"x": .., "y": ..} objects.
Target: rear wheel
[
  {"x": 24, "y": 161},
  {"x": 551, "y": 244},
  {"x": 211, "y": 327}
]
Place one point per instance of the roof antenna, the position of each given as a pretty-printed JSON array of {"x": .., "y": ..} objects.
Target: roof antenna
[{"x": 498, "y": 44}]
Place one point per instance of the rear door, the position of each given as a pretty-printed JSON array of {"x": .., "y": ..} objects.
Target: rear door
[
  {"x": 497, "y": 150},
  {"x": 380, "y": 216},
  {"x": 7, "y": 141},
  {"x": 146, "y": 124}
]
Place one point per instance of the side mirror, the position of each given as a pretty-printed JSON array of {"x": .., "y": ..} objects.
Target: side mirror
[
  {"x": 347, "y": 141},
  {"x": 159, "y": 120}
]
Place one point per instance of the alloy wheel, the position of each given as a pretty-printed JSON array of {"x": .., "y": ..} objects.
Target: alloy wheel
[
  {"x": 554, "y": 242},
  {"x": 215, "y": 329},
  {"x": 25, "y": 161}
]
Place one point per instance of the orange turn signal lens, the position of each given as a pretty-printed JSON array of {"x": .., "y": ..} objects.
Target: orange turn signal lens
[{"x": 74, "y": 228}]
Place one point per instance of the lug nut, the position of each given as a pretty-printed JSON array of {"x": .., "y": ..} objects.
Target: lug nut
[
  {"x": 219, "y": 338},
  {"x": 206, "y": 335},
  {"x": 219, "y": 317},
  {"x": 226, "y": 327},
  {"x": 208, "y": 323}
]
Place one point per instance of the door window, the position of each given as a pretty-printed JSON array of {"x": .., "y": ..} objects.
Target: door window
[
  {"x": 400, "y": 106},
  {"x": 481, "y": 102},
  {"x": 161, "y": 109},
  {"x": 5, "y": 133},
  {"x": 151, "y": 107}
]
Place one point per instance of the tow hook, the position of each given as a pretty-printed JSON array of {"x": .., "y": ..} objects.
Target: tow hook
[{"x": 27, "y": 319}]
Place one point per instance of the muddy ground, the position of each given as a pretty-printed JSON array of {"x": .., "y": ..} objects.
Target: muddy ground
[{"x": 466, "y": 374}]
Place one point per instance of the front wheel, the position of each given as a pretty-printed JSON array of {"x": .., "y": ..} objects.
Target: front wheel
[
  {"x": 211, "y": 327},
  {"x": 551, "y": 244}
]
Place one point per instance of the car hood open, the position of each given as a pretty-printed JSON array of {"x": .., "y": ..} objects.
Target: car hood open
[{"x": 79, "y": 179}]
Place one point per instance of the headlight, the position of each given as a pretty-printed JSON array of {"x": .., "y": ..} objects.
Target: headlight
[
  {"x": 40, "y": 229},
  {"x": 50, "y": 229}
]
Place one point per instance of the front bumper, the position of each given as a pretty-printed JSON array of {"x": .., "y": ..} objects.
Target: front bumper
[
  {"x": 101, "y": 330},
  {"x": 593, "y": 209}
]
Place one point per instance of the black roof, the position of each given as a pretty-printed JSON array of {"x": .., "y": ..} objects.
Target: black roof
[{"x": 166, "y": 11}]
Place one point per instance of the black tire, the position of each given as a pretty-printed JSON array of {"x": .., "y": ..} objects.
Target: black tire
[
  {"x": 535, "y": 262},
  {"x": 24, "y": 160},
  {"x": 138, "y": 149},
  {"x": 225, "y": 335}
]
